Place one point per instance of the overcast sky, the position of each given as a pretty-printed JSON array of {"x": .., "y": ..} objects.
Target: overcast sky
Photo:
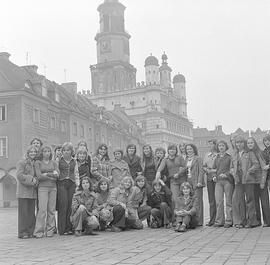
[{"x": 221, "y": 46}]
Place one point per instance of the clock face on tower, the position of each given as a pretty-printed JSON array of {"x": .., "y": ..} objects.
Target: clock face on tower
[{"x": 105, "y": 46}]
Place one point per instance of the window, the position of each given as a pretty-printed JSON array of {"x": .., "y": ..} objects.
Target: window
[
  {"x": 36, "y": 116},
  {"x": 90, "y": 132},
  {"x": 3, "y": 147},
  {"x": 53, "y": 122},
  {"x": 3, "y": 112},
  {"x": 63, "y": 126},
  {"x": 82, "y": 131},
  {"x": 75, "y": 130},
  {"x": 57, "y": 97},
  {"x": 44, "y": 91}
]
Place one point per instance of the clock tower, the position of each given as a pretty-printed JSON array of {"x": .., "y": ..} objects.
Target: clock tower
[{"x": 113, "y": 71}]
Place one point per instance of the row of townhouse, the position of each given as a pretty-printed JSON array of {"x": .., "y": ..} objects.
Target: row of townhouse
[{"x": 33, "y": 106}]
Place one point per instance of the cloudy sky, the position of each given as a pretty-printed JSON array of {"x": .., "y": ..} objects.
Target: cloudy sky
[{"x": 221, "y": 46}]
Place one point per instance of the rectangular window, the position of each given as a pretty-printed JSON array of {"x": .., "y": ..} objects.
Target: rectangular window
[
  {"x": 3, "y": 112},
  {"x": 53, "y": 122},
  {"x": 57, "y": 97},
  {"x": 44, "y": 91},
  {"x": 3, "y": 147},
  {"x": 75, "y": 129},
  {"x": 82, "y": 131},
  {"x": 63, "y": 126},
  {"x": 36, "y": 116}
]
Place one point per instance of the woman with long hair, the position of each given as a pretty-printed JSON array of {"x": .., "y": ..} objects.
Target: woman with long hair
[
  {"x": 148, "y": 164},
  {"x": 133, "y": 160},
  {"x": 208, "y": 162},
  {"x": 105, "y": 210},
  {"x": 194, "y": 175},
  {"x": 186, "y": 208},
  {"x": 224, "y": 186},
  {"x": 47, "y": 173},
  {"x": 67, "y": 182},
  {"x": 27, "y": 193},
  {"x": 243, "y": 168},
  {"x": 118, "y": 168},
  {"x": 173, "y": 163},
  {"x": 122, "y": 199},
  {"x": 100, "y": 164},
  {"x": 260, "y": 188},
  {"x": 84, "y": 213},
  {"x": 160, "y": 200}
]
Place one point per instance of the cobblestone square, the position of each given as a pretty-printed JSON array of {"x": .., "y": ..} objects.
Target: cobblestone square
[{"x": 205, "y": 245}]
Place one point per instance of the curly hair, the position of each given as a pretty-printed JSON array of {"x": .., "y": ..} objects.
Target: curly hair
[
  {"x": 81, "y": 180},
  {"x": 106, "y": 156},
  {"x": 194, "y": 147},
  {"x": 103, "y": 180}
]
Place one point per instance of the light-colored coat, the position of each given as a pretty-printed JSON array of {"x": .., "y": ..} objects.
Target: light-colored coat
[{"x": 26, "y": 188}]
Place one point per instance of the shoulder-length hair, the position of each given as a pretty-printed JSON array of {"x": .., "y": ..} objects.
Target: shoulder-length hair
[
  {"x": 89, "y": 181},
  {"x": 106, "y": 156},
  {"x": 256, "y": 149},
  {"x": 28, "y": 150},
  {"x": 44, "y": 148},
  {"x": 222, "y": 142},
  {"x": 172, "y": 146},
  {"x": 186, "y": 185},
  {"x": 151, "y": 151},
  {"x": 69, "y": 146},
  {"x": 81, "y": 151},
  {"x": 131, "y": 145},
  {"x": 103, "y": 180},
  {"x": 194, "y": 147}
]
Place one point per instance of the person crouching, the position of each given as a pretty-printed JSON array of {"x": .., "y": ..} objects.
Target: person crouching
[
  {"x": 84, "y": 213},
  {"x": 186, "y": 208},
  {"x": 160, "y": 199}
]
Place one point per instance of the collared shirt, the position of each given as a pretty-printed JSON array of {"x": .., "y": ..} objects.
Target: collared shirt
[{"x": 208, "y": 163}]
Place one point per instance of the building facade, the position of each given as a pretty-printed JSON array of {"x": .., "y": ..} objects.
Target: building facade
[
  {"x": 158, "y": 104},
  {"x": 33, "y": 106},
  {"x": 203, "y": 135}
]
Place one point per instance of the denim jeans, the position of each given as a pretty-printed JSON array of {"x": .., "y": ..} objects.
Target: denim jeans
[
  {"x": 26, "y": 217},
  {"x": 243, "y": 202},
  {"x": 223, "y": 187},
  {"x": 45, "y": 221},
  {"x": 212, "y": 201}
]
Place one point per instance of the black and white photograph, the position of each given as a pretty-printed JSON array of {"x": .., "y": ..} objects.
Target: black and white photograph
[{"x": 134, "y": 132}]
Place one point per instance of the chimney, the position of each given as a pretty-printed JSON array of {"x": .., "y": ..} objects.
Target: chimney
[
  {"x": 70, "y": 87},
  {"x": 4, "y": 55},
  {"x": 31, "y": 68}
]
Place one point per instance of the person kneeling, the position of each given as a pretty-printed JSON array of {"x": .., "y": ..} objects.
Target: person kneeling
[
  {"x": 84, "y": 214},
  {"x": 160, "y": 199},
  {"x": 186, "y": 208},
  {"x": 123, "y": 201}
]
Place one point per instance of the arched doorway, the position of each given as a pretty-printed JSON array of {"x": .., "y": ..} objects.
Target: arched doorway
[{"x": 9, "y": 190}]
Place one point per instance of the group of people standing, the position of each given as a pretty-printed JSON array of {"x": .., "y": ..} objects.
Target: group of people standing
[
  {"x": 243, "y": 178},
  {"x": 163, "y": 187}
]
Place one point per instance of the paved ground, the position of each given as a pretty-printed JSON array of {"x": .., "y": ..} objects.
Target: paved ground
[{"x": 149, "y": 246}]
